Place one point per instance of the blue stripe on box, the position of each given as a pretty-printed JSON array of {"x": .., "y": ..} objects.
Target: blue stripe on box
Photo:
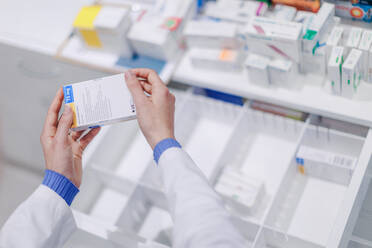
[
  {"x": 138, "y": 61},
  {"x": 68, "y": 94}
]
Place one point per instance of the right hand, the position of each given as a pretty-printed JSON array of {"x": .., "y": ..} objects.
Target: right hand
[{"x": 155, "y": 113}]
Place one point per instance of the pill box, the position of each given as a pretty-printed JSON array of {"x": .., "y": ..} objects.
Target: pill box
[
  {"x": 335, "y": 69},
  {"x": 282, "y": 72},
  {"x": 351, "y": 73},
  {"x": 258, "y": 69},
  {"x": 353, "y": 40},
  {"x": 364, "y": 46},
  {"x": 325, "y": 164},
  {"x": 334, "y": 39},
  {"x": 99, "y": 102}
]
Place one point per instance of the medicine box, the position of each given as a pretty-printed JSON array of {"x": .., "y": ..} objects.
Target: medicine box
[
  {"x": 370, "y": 66},
  {"x": 351, "y": 73},
  {"x": 335, "y": 69},
  {"x": 284, "y": 12},
  {"x": 274, "y": 38},
  {"x": 258, "y": 69},
  {"x": 105, "y": 27},
  {"x": 305, "y": 18},
  {"x": 99, "y": 102},
  {"x": 242, "y": 193},
  {"x": 150, "y": 38},
  {"x": 282, "y": 72},
  {"x": 217, "y": 59},
  {"x": 334, "y": 39},
  {"x": 353, "y": 39},
  {"x": 211, "y": 34},
  {"x": 318, "y": 26},
  {"x": 326, "y": 165},
  {"x": 365, "y": 46}
]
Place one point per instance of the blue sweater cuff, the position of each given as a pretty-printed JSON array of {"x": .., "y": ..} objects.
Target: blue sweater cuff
[
  {"x": 164, "y": 145},
  {"x": 61, "y": 185}
]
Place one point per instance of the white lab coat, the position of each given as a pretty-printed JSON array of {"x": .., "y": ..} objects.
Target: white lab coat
[{"x": 44, "y": 220}]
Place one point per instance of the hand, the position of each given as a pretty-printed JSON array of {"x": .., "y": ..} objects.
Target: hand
[
  {"x": 63, "y": 150},
  {"x": 155, "y": 113}
]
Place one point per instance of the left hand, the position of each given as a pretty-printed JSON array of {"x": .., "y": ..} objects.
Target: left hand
[{"x": 63, "y": 150}]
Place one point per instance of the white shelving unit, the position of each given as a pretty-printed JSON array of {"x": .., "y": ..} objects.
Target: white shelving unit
[{"x": 297, "y": 210}]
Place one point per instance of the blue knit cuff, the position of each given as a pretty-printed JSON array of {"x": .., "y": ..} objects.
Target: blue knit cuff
[
  {"x": 61, "y": 185},
  {"x": 163, "y": 145}
]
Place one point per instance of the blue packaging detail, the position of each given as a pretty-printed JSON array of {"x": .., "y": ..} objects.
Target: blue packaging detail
[
  {"x": 142, "y": 62},
  {"x": 225, "y": 97},
  {"x": 300, "y": 161},
  {"x": 68, "y": 94}
]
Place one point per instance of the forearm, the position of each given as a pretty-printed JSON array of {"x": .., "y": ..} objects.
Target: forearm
[
  {"x": 44, "y": 219},
  {"x": 199, "y": 216}
]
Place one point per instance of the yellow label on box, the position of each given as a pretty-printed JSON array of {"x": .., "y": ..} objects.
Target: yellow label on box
[
  {"x": 91, "y": 38},
  {"x": 86, "y": 17},
  {"x": 74, "y": 120}
]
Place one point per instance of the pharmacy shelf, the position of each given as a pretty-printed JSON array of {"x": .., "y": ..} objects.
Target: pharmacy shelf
[
  {"x": 74, "y": 51},
  {"x": 296, "y": 210},
  {"x": 311, "y": 93}
]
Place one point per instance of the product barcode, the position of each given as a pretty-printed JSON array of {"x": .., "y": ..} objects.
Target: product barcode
[{"x": 342, "y": 161}]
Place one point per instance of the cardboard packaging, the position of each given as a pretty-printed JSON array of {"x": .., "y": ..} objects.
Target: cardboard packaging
[
  {"x": 284, "y": 12},
  {"x": 99, "y": 102},
  {"x": 370, "y": 66},
  {"x": 235, "y": 11},
  {"x": 354, "y": 38},
  {"x": 258, "y": 69},
  {"x": 365, "y": 46},
  {"x": 319, "y": 25},
  {"x": 217, "y": 59},
  {"x": 282, "y": 72},
  {"x": 274, "y": 38},
  {"x": 334, "y": 39},
  {"x": 242, "y": 193},
  {"x": 351, "y": 73},
  {"x": 335, "y": 69},
  {"x": 312, "y": 5},
  {"x": 326, "y": 165},
  {"x": 211, "y": 34},
  {"x": 356, "y": 10},
  {"x": 105, "y": 28},
  {"x": 305, "y": 18}
]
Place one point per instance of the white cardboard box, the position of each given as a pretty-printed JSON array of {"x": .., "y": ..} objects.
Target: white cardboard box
[
  {"x": 365, "y": 46},
  {"x": 351, "y": 73},
  {"x": 325, "y": 164},
  {"x": 335, "y": 69},
  {"x": 305, "y": 18},
  {"x": 284, "y": 12},
  {"x": 211, "y": 34},
  {"x": 370, "y": 66},
  {"x": 282, "y": 72},
  {"x": 107, "y": 30},
  {"x": 258, "y": 69},
  {"x": 99, "y": 102},
  {"x": 353, "y": 39},
  {"x": 217, "y": 59},
  {"x": 274, "y": 38},
  {"x": 334, "y": 39}
]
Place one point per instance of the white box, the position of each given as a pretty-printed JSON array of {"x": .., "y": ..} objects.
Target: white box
[
  {"x": 149, "y": 38},
  {"x": 235, "y": 11},
  {"x": 211, "y": 34},
  {"x": 282, "y": 72},
  {"x": 351, "y": 73},
  {"x": 242, "y": 193},
  {"x": 284, "y": 12},
  {"x": 320, "y": 23},
  {"x": 99, "y": 102},
  {"x": 107, "y": 29},
  {"x": 274, "y": 38},
  {"x": 305, "y": 18},
  {"x": 353, "y": 39},
  {"x": 327, "y": 165},
  {"x": 334, "y": 39},
  {"x": 217, "y": 59},
  {"x": 258, "y": 69},
  {"x": 365, "y": 46},
  {"x": 335, "y": 69}
]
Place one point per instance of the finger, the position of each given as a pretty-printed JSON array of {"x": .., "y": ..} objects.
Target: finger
[
  {"x": 50, "y": 125},
  {"x": 64, "y": 123},
  {"x": 76, "y": 135},
  {"x": 84, "y": 142},
  {"x": 147, "y": 87},
  {"x": 135, "y": 89},
  {"x": 151, "y": 75}
]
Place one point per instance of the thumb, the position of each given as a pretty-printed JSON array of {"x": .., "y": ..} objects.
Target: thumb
[
  {"x": 135, "y": 89},
  {"x": 65, "y": 123}
]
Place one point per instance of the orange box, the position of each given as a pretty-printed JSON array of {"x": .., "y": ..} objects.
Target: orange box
[{"x": 309, "y": 5}]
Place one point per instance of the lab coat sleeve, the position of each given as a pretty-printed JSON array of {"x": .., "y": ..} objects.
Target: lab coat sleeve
[
  {"x": 44, "y": 220},
  {"x": 199, "y": 216}
]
